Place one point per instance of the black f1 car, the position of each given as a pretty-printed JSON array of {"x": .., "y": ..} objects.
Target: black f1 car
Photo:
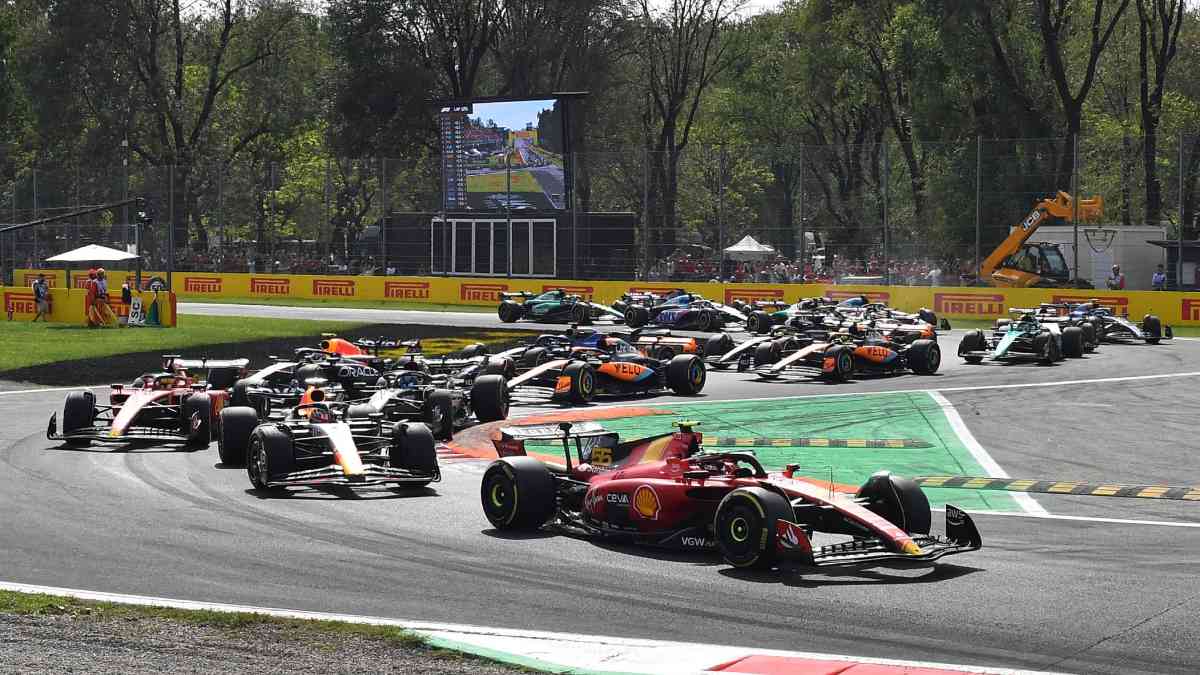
[
  {"x": 316, "y": 443},
  {"x": 1113, "y": 327}
]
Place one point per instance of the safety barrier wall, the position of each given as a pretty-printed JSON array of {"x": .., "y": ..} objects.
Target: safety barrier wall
[
  {"x": 950, "y": 302},
  {"x": 70, "y": 305}
]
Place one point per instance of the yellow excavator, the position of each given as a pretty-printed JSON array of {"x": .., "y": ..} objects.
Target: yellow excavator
[{"x": 1020, "y": 263}]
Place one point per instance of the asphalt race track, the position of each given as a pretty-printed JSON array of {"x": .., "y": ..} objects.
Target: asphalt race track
[{"x": 1087, "y": 592}]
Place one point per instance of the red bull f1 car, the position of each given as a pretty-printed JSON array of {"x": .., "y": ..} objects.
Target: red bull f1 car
[
  {"x": 667, "y": 491},
  {"x": 318, "y": 444},
  {"x": 171, "y": 406}
]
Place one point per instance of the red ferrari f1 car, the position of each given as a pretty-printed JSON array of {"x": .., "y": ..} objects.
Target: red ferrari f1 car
[
  {"x": 171, "y": 406},
  {"x": 667, "y": 491}
]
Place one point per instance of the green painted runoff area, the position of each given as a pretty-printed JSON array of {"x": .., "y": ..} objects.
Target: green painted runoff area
[{"x": 915, "y": 416}]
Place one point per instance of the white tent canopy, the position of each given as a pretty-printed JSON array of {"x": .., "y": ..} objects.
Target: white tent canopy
[
  {"x": 92, "y": 253},
  {"x": 749, "y": 248}
]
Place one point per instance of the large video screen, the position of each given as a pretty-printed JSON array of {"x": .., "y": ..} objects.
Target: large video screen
[{"x": 498, "y": 156}]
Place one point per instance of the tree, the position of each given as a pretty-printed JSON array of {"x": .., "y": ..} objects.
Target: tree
[
  {"x": 1159, "y": 22},
  {"x": 683, "y": 52}
]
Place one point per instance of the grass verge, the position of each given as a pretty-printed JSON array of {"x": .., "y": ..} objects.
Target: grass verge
[
  {"x": 345, "y": 304},
  {"x": 24, "y": 344}
]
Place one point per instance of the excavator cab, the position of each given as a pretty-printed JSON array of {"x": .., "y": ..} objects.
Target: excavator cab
[{"x": 1037, "y": 264}]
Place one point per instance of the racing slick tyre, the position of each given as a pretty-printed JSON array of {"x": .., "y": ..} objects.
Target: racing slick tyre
[
  {"x": 580, "y": 314},
  {"x": 745, "y": 526},
  {"x": 1072, "y": 342},
  {"x": 1152, "y": 327},
  {"x": 766, "y": 353},
  {"x": 236, "y": 424},
  {"x": 686, "y": 374},
  {"x": 534, "y": 357},
  {"x": 924, "y": 357},
  {"x": 899, "y": 500},
  {"x": 1091, "y": 338},
  {"x": 759, "y": 322},
  {"x": 489, "y": 398},
  {"x": 718, "y": 345},
  {"x": 637, "y": 316},
  {"x": 240, "y": 396},
  {"x": 269, "y": 454},
  {"x": 508, "y": 311},
  {"x": 1046, "y": 349},
  {"x": 843, "y": 363},
  {"x": 583, "y": 381},
  {"x": 438, "y": 414},
  {"x": 973, "y": 341},
  {"x": 499, "y": 365},
  {"x": 360, "y": 411},
  {"x": 665, "y": 353},
  {"x": 518, "y": 493},
  {"x": 706, "y": 321},
  {"x": 414, "y": 450},
  {"x": 308, "y": 372},
  {"x": 196, "y": 420},
  {"x": 79, "y": 412}
]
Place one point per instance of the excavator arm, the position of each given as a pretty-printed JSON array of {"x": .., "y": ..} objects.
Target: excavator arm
[{"x": 1059, "y": 207}]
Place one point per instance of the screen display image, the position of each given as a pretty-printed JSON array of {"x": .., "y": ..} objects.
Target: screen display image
[{"x": 504, "y": 155}]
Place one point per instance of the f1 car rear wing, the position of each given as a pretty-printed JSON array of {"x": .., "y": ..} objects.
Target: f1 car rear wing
[
  {"x": 505, "y": 295},
  {"x": 172, "y": 362},
  {"x": 584, "y": 436}
]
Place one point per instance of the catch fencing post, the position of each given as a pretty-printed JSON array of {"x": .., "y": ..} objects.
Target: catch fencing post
[{"x": 978, "y": 199}]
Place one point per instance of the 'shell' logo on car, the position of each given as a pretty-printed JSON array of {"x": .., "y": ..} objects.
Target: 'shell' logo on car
[
  {"x": 51, "y": 279},
  {"x": 1189, "y": 309},
  {"x": 1118, "y": 304},
  {"x": 407, "y": 290},
  {"x": 585, "y": 291},
  {"x": 270, "y": 286},
  {"x": 343, "y": 288},
  {"x": 752, "y": 294},
  {"x": 980, "y": 304},
  {"x": 202, "y": 284},
  {"x": 19, "y": 303},
  {"x": 490, "y": 292},
  {"x": 872, "y": 296}
]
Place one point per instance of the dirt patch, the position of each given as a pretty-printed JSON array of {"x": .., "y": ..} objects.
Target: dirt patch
[{"x": 125, "y": 367}]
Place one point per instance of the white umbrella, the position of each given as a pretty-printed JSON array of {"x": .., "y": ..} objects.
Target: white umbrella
[
  {"x": 92, "y": 253},
  {"x": 750, "y": 249}
]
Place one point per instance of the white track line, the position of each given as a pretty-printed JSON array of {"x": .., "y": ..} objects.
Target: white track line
[
  {"x": 980, "y": 387},
  {"x": 981, "y": 455},
  {"x": 1086, "y": 519},
  {"x": 568, "y": 651}
]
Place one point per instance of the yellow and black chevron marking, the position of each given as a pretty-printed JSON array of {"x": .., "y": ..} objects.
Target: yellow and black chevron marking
[
  {"x": 1177, "y": 492},
  {"x": 759, "y": 442}
]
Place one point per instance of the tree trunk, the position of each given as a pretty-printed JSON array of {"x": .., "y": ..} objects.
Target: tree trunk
[
  {"x": 1126, "y": 179},
  {"x": 1149, "y": 157},
  {"x": 1188, "y": 219}
]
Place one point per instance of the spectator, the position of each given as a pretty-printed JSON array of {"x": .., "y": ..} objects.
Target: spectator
[
  {"x": 1116, "y": 281},
  {"x": 1159, "y": 281},
  {"x": 41, "y": 297}
]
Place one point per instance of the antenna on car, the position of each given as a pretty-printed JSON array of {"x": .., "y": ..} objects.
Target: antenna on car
[{"x": 566, "y": 429}]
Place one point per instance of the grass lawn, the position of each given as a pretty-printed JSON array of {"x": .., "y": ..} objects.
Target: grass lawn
[
  {"x": 24, "y": 344},
  {"x": 522, "y": 181},
  {"x": 350, "y": 304}
]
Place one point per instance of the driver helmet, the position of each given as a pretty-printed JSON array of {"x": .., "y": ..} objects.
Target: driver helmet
[
  {"x": 100, "y": 272},
  {"x": 321, "y": 414}
]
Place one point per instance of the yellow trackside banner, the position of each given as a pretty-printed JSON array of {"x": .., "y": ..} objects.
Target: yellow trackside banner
[
  {"x": 950, "y": 302},
  {"x": 70, "y": 306}
]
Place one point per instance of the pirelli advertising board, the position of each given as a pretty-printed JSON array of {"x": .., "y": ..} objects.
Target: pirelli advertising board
[{"x": 952, "y": 303}]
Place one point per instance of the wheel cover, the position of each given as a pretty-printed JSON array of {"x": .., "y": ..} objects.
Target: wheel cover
[
  {"x": 437, "y": 419},
  {"x": 697, "y": 373},
  {"x": 499, "y": 495},
  {"x": 586, "y": 382},
  {"x": 935, "y": 358},
  {"x": 258, "y": 465},
  {"x": 739, "y": 529}
]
